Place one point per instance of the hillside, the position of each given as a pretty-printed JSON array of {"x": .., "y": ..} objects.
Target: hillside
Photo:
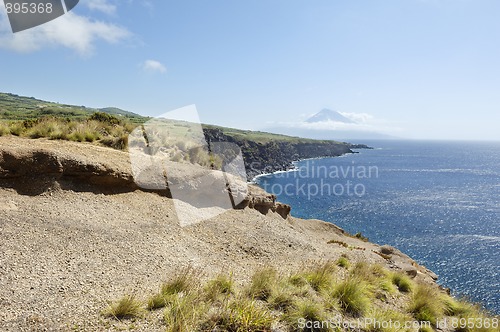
[
  {"x": 262, "y": 152},
  {"x": 14, "y": 107},
  {"x": 78, "y": 234}
]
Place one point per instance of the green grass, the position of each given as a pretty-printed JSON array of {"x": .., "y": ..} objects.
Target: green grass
[{"x": 14, "y": 107}]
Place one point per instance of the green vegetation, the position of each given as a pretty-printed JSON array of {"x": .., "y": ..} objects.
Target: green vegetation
[
  {"x": 353, "y": 296},
  {"x": 301, "y": 301},
  {"x": 14, "y": 107},
  {"x": 402, "y": 281},
  {"x": 99, "y": 127},
  {"x": 343, "y": 262}
]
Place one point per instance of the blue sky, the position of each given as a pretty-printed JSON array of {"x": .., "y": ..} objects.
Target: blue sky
[{"x": 411, "y": 68}]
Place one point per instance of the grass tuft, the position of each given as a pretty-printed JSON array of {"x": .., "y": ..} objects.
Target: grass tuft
[
  {"x": 126, "y": 307},
  {"x": 353, "y": 296},
  {"x": 263, "y": 284},
  {"x": 425, "y": 305},
  {"x": 321, "y": 278},
  {"x": 343, "y": 262},
  {"x": 307, "y": 313},
  {"x": 220, "y": 286},
  {"x": 240, "y": 315},
  {"x": 403, "y": 282}
]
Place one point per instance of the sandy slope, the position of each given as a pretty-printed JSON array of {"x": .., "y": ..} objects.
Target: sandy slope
[{"x": 66, "y": 248}]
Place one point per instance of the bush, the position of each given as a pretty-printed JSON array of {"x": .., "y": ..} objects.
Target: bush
[
  {"x": 105, "y": 118},
  {"x": 4, "y": 129}
]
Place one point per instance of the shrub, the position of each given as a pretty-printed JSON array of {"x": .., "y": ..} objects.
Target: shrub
[
  {"x": 343, "y": 244},
  {"x": 126, "y": 307},
  {"x": 105, "y": 118},
  {"x": 353, "y": 296}
]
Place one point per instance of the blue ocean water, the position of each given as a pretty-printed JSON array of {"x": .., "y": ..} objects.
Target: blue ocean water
[{"x": 439, "y": 202}]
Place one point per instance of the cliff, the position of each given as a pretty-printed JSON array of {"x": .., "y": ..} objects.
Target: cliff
[{"x": 268, "y": 156}]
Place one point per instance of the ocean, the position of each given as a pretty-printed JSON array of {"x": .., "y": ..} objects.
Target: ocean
[{"x": 438, "y": 202}]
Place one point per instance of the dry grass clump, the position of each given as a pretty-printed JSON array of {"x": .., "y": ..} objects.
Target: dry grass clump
[
  {"x": 343, "y": 262},
  {"x": 222, "y": 285},
  {"x": 354, "y": 296},
  {"x": 184, "y": 282},
  {"x": 321, "y": 277},
  {"x": 307, "y": 313},
  {"x": 402, "y": 281},
  {"x": 425, "y": 305},
  {"x": 101, "y": 127},
  {"x": 240, "y": 314},
  {"x": 263, "y": 284},
  {"x": 127, "y": 307}
]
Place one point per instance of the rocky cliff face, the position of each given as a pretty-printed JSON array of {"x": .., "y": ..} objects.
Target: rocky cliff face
[
  {"x": 278, "y": 156},
  {"x": 32, "y": 167}
]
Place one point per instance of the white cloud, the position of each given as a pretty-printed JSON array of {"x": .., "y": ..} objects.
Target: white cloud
[
  {"x": 70, "y": 30},
  {"x": 364, "y": 122},
  {"x": 362, "y": 118},
  {"x": 101, "y": 5},
  {"x": 153, "y": 66}
]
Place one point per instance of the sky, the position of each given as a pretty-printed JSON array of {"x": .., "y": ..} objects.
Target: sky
[{"x": 424, "y": 69}]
